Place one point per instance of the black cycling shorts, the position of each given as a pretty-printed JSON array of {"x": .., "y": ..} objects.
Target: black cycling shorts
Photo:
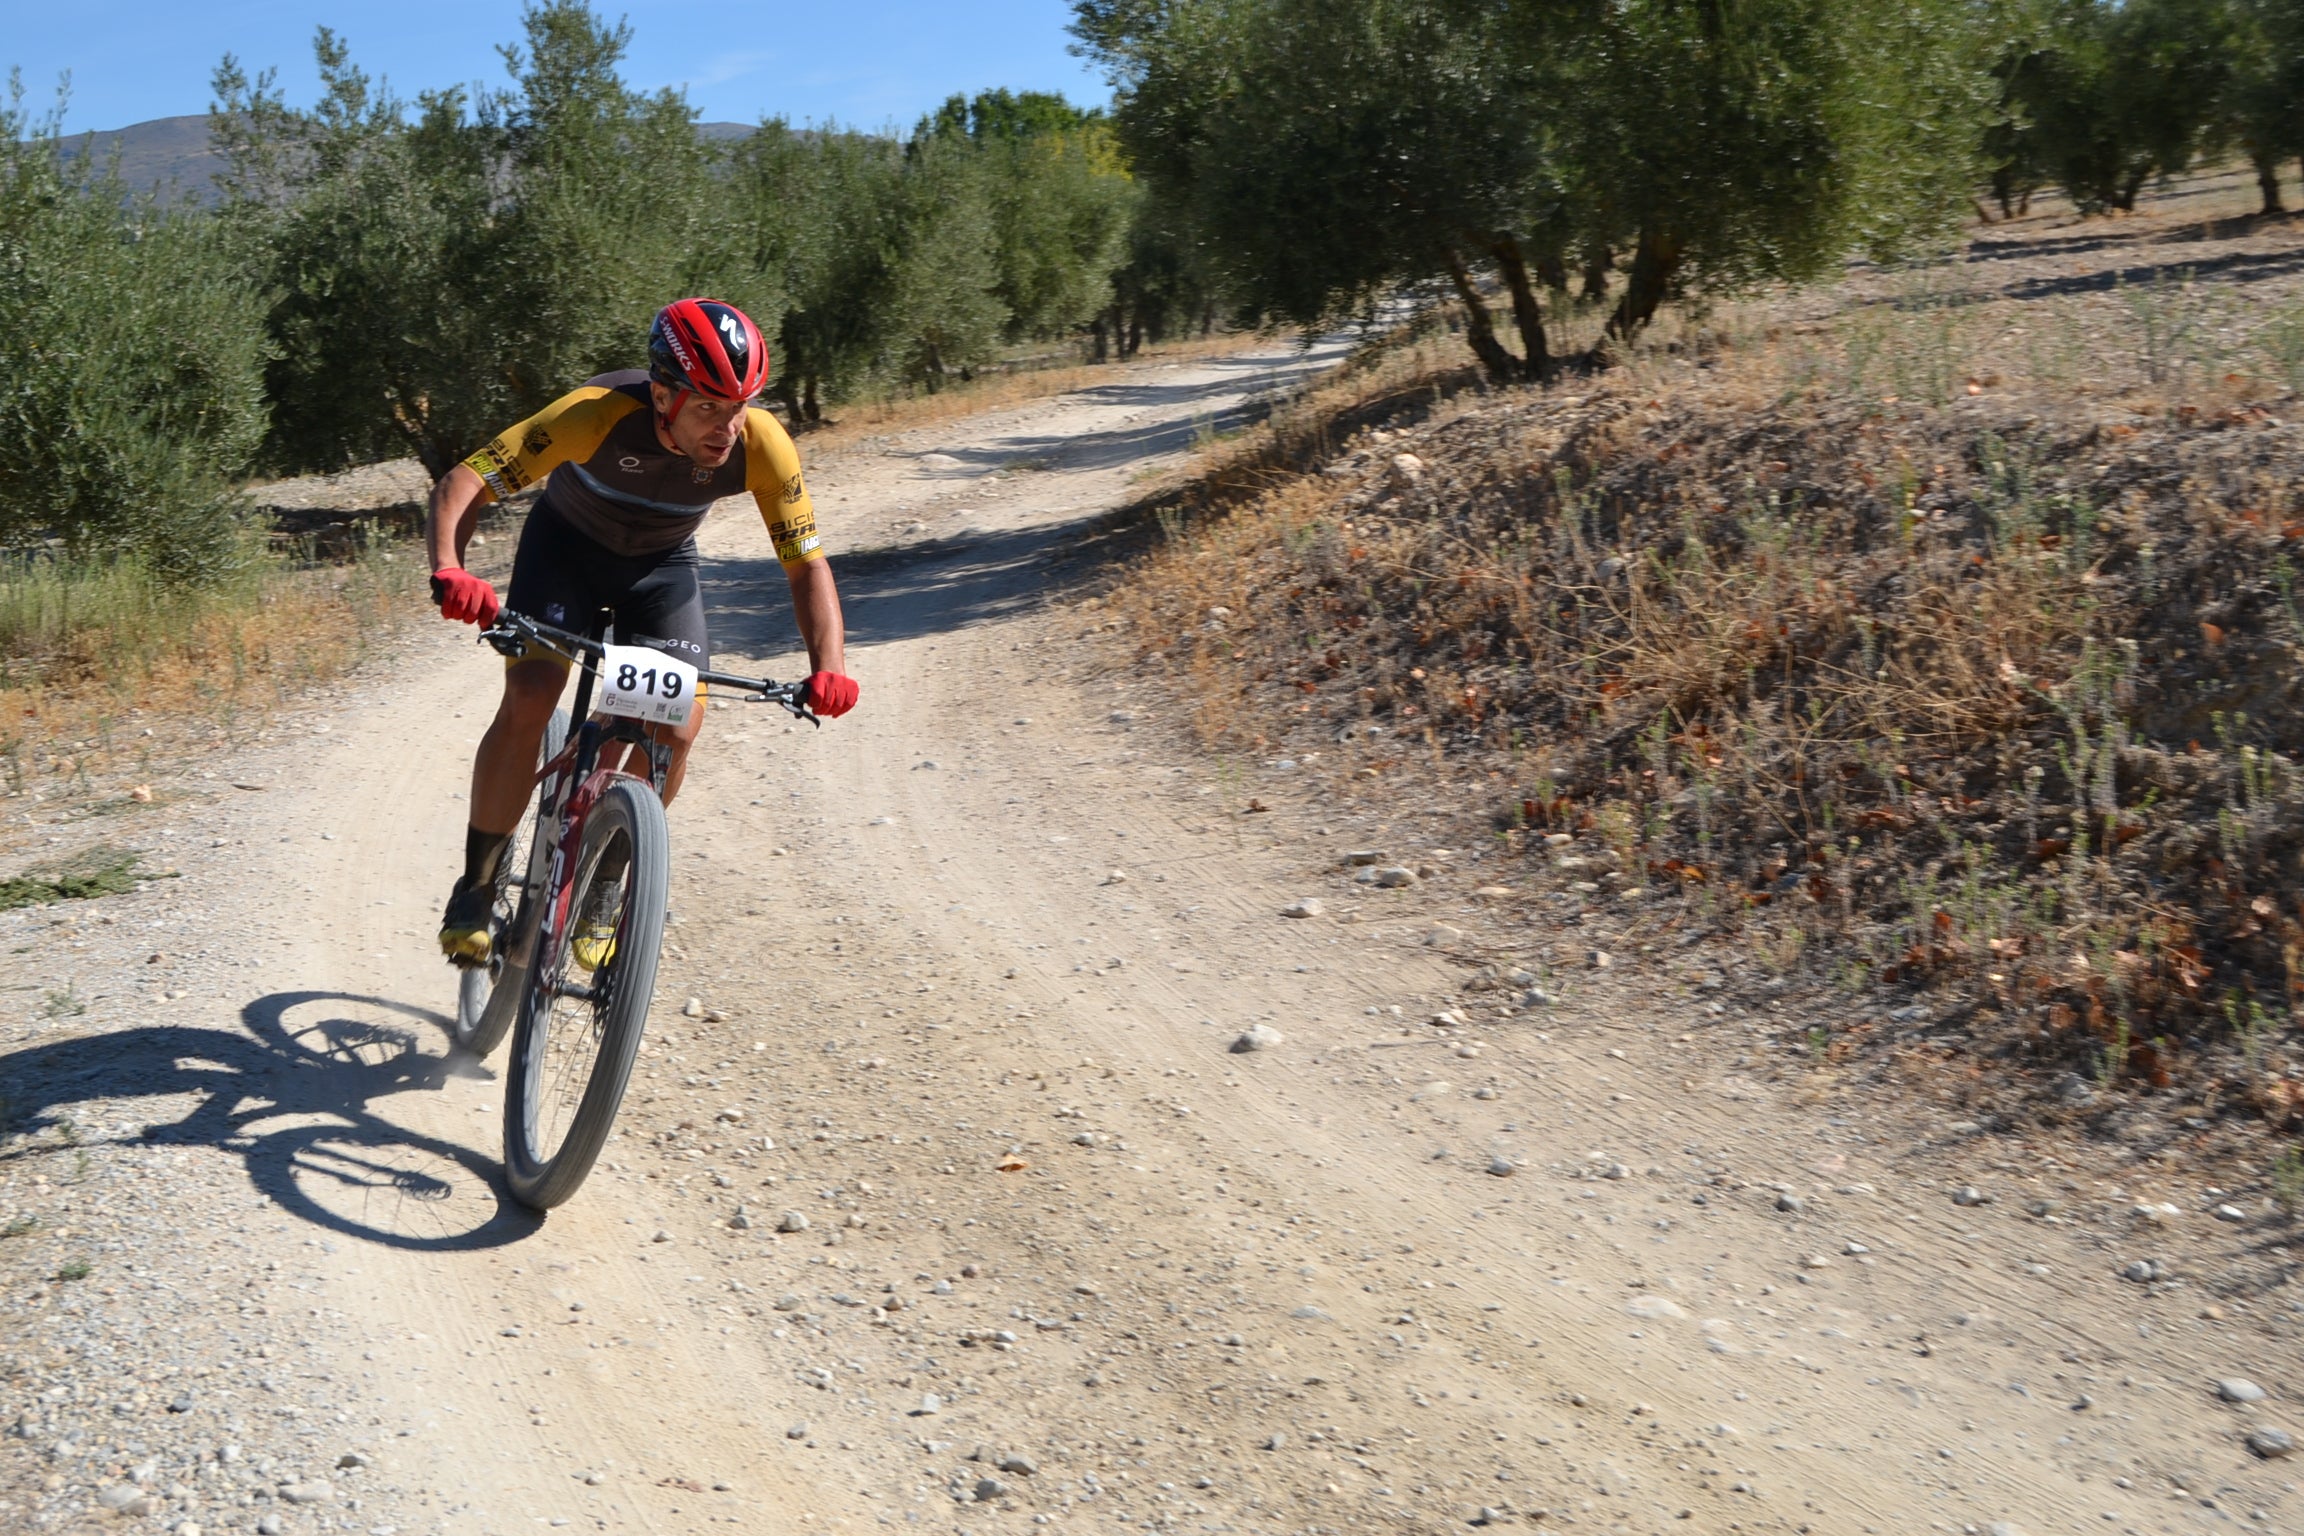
[{"x": 565, "y": 578}]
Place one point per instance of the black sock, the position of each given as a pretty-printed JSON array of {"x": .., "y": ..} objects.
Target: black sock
[{"x": 481, "y": 851}]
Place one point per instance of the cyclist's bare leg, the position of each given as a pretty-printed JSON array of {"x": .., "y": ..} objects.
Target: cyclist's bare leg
[{"x": 504, "y": 769}]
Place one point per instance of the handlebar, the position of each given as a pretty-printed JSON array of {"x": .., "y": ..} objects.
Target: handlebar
[{"x": 513, "y": 633}]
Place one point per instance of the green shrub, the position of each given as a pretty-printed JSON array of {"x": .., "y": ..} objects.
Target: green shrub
[{"x": 133, "y": 348}]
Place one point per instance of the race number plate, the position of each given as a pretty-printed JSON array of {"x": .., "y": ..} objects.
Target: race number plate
[{"x": 646, "y": 685}]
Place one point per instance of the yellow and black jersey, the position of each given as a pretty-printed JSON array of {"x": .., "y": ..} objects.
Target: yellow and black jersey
[{"x": 614, "y": 482}]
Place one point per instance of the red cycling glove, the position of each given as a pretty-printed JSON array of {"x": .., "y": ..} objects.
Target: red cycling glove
[
  {"x": 831, "y": 694},
  {"x": 464, "y": 597}
]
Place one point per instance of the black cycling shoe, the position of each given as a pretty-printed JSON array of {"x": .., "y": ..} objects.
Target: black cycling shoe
[{"x": 468, "y": 928}]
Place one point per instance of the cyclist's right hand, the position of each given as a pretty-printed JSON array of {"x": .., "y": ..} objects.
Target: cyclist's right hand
[{"x": 464, "y": 597}]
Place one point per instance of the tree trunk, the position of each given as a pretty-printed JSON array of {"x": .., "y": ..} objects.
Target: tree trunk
[
  {"x": 1101, "y": 330},
  {"x": 1135, "y": 341},
  {"x": 1535, "y": 351},
  {"x": 1553, "y": 271},
  {"x": 814, "y": 412},
  {"x": 1599, "y": 261},
  {"x": 2268, "y": 183},
  {"x": 1502, "y": 366},
  {"x": 1653, "y": 266}
]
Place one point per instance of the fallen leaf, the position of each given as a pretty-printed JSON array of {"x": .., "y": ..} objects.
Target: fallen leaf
[{"x": 1012, "y": 1164}]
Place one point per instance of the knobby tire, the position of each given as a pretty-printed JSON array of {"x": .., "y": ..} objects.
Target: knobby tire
[{"x": 572, "y": 1059}]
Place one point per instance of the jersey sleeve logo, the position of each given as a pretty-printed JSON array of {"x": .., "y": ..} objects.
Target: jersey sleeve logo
[
  {"x": 500, "y": 468},
  {"x": 795, "y": 538},
  {"x": 794, "y": 489},
  {"x": 535, "y": 442}
]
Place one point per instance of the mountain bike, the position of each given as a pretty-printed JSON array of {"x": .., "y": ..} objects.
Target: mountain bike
[{"x": 580, "y": 935}]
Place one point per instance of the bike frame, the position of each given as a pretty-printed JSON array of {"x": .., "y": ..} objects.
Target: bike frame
[{"x": 572, "y": 781}]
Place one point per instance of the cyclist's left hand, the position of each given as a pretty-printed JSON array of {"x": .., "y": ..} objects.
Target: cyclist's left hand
[{"x": 831, "y": 694}]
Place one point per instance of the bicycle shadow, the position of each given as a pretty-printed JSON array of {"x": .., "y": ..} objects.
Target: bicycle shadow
[{"x": 294, "y": 1099}]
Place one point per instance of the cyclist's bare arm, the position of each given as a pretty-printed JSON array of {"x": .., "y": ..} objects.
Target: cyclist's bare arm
[
  {"x": 816, "y": 604},
  {"x": 456, "y": 499}
]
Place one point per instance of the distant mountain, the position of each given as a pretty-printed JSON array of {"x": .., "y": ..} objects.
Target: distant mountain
[{"x": 170, "y": 156}]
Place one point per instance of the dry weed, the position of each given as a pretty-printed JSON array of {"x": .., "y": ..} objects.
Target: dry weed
[{"x": 1983, "y": 693}]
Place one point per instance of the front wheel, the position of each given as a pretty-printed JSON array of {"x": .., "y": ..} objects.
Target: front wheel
[
  {"x": 586, "y": 1000},
  {"x": 488, "y": 996}
]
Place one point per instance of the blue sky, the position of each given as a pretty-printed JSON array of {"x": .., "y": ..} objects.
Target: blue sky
[{"x": 863, "y": 62}]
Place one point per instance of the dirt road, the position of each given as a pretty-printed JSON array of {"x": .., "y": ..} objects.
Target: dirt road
[{"x": 1585, "y": 1264}]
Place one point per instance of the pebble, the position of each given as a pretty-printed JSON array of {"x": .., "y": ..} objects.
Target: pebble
[
  {"x": 126, "y": 1499},
  {"x": 2238, "y": 1389},
  {"x": 1484, "y": 1092},
  {"x": 1394, "y": 878},
  {"x": 989, "y": 1489},
  {"x": 1501, "y": 1167},
  {"x": 1275, "y": 1442},
  {"x": 1969, "y": 1194},
  {"x": 314, "y": 1492},
  {"x": 792, "y": 1221},
  {"x": 796, "y": 1432},
  {"x": 1257, "y": 1037},
  {"x": 1443, "y": 936},
  {"x": 1022, "y": 1466},
  {"x": 741, "y": 1221},
  {"x": 1817, "y": 1261},
  {"x": 661, "y": 1236},
  {"x": 1790, "y": 1204},
  {"x": 2144, "y": 1271},
  {"x": 269, "y": 1525},
  {"x": 693, "y": 1008},
  {"x": 1359, "y": 857},
  {"x": 1309, "y": 1314},
  {"x": 2230, "y": 1213},
  {"x": 930, "y": 1405},
  {"x": 1653, "y": 1306},
  {"x": 2271, "y": 1443},
  {"x": 1599, "y": 959},
  {"x": 1537, "y": 997},
  {"x": 1114, "y": 877}
]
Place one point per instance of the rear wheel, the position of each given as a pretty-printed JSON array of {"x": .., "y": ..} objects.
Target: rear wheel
[
  {"x": 488, "y": 996},
  {"x": 581, "y": 1014}
]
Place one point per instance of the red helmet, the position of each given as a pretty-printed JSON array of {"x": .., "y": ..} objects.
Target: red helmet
[{"x": 705, "y": 347}]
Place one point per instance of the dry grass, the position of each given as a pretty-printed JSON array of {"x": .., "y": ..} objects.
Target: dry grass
[
  {"x": 1834, "y": 623},
  {"x": 100, "y": 662}
]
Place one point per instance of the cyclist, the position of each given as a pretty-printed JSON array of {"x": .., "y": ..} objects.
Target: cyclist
[{"x": 636, "y": 459}]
